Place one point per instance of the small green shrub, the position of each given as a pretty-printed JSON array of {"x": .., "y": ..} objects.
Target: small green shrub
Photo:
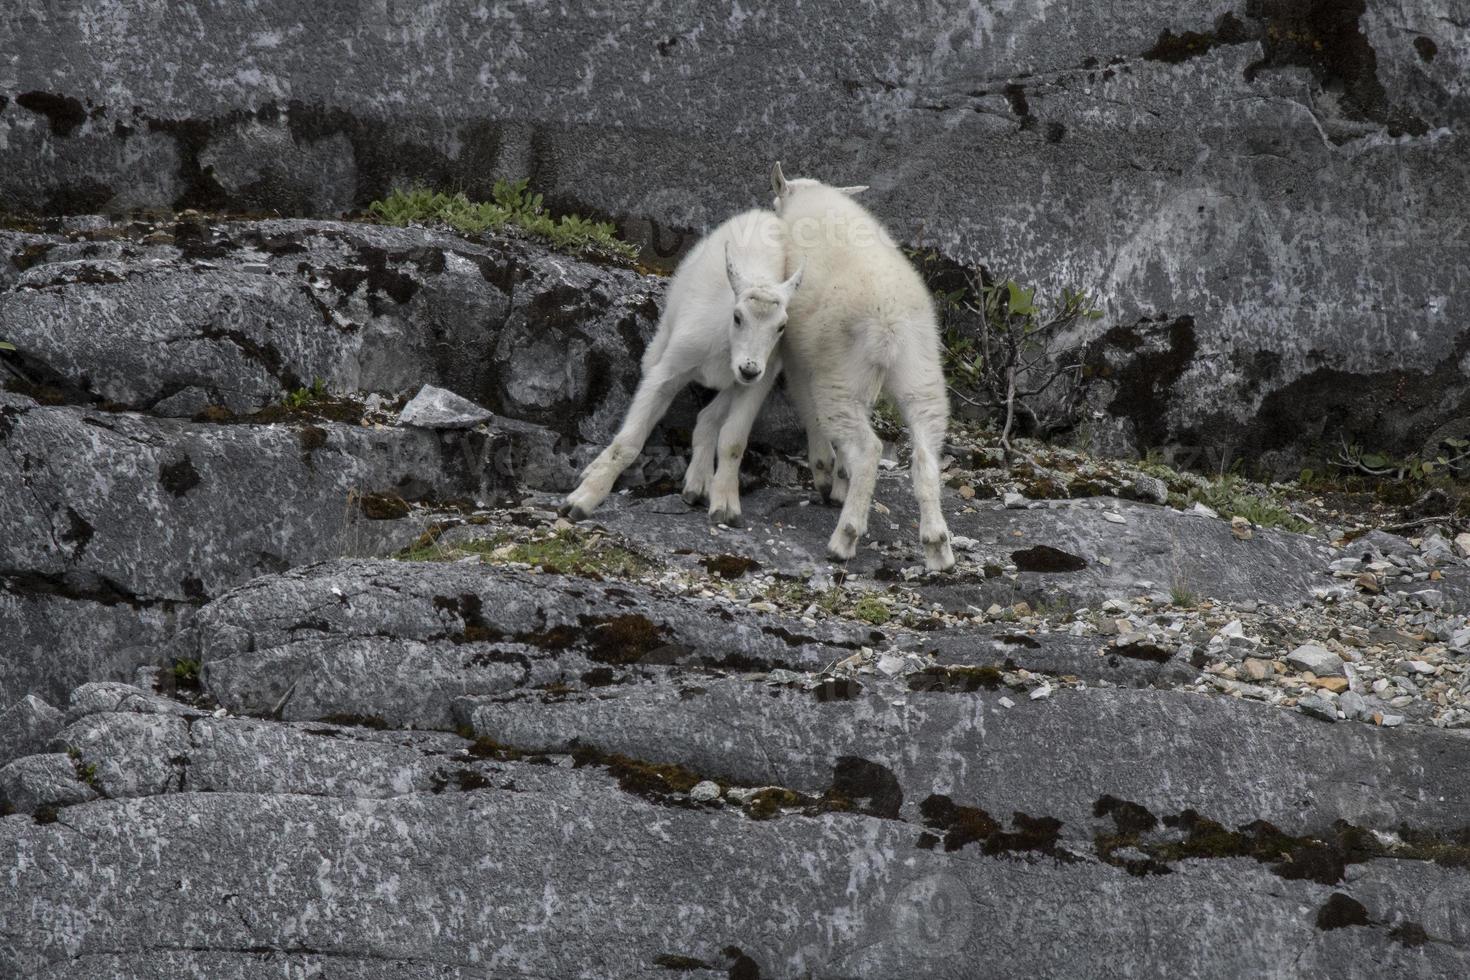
[
  {"x": 186, "y": 673},
  {"x": 512, "y": 205},
  {"x": 302, "y": 397}
]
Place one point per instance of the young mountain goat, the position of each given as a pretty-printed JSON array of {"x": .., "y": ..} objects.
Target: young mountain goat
[
  {"x": 723, "y": 316},
  {"x": 864, "y": 322}
]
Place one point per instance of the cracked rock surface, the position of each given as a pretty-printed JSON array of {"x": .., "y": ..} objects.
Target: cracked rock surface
[{"x": 293, "y": 686}]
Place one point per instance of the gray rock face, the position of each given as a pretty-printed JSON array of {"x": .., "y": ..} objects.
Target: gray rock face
[
  {"x": 1178, "y": 161},
  {"x": 119, "y": 525},
  {"x": 728, "y": 764},
  {"x": 39, "y": 781},
  {"x": 893, "y": 921},
  {"x": 257, "y": 310},
  {"x": 26, "y": 727},
  {"x": 1069, "y": 550},
  {"x": 637, "y": 749},
  {"x": 396, "y": 816},
  {"x": 398, "y": 641},
  {"x": 1233, "y": 762}
]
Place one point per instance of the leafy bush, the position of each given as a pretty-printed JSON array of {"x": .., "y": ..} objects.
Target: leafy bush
[
  {"x": 1010, "y": 365},
  {"x": 1449, "y": 457},
  {"x": 1230, "y": 496},
  {"x": 512, "y": 205}
]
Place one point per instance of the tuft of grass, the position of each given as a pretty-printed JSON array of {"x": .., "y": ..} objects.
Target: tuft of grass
[
  {"x": 86, "y": 771},
  {"x": 512, "y": 205},
  {"x": 186, "y": 674},
  {"x": 302, "y": 397},
  {"x": 1229, "y": 496},
  {"x": 1180, "y": 596}
]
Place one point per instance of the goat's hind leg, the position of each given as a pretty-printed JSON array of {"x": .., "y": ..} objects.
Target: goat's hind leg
[
  {"x": 700, "y": 476},
  {"x": 655, "y": 391},
  {"x": 919, "y": 390},
  {"x": 859, "y": 448}
]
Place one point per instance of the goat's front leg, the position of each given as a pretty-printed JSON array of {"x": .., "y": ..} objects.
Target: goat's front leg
[
  {"x": 819, "y": 454},
  {"x": 745, "y": 405},
  {"x": 701, "y": 473},
  {"x": 655, "y": 391}
]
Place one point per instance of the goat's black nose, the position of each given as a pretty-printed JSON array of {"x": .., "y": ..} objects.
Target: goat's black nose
[{"x": 749, "y": 373}]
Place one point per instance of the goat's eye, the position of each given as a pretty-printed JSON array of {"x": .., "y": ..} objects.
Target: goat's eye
[{"x": 738, "y": 319}]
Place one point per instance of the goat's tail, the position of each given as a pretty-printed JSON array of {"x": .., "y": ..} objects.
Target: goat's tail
[{"x": 879, "y": 340}]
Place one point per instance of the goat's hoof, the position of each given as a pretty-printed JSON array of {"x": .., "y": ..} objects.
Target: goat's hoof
[
  {"x": 695, "y": 498},
  {"x": 938, "y": 558},
  {"x": 729, "y": 518},
  {"x": 840, "y": 552},
  {"x": 572, "y": 512},
  {"x": 844, "y": 542}
]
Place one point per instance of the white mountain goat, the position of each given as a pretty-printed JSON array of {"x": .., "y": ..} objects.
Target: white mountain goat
[
  {"x": 863, "y": 323},
  {"x": 723, "y": 317}
]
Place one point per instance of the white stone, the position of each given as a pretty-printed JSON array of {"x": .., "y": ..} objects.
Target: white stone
[
  {"x": 890, "y": 664},
  {"x": 705, "y": 792},
  {"x": 436, "y": 408}
]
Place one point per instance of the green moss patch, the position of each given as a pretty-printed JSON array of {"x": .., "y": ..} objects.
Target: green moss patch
[
  {"x": 568, "y": 551},
  {"x": 512, "y": 205}
]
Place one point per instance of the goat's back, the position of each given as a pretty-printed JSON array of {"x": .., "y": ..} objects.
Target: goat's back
[{"x": 858, "y": 286}]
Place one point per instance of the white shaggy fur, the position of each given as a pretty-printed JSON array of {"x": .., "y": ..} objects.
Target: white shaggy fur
[
  {"x": 723, "y": 318},
  {"x": 863, "y": 323}
]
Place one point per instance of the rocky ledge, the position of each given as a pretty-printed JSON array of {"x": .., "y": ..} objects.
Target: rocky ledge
[{"x": 310, "y": 679}]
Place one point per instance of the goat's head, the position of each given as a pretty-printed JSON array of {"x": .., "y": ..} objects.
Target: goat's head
[
  {"x": 783, "y": 188},
  {"x": 758, "y": 321}
]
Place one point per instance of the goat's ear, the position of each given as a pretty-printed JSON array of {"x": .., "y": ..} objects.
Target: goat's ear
[
  {"x": 778, "y": 180},
  {"x": 791, "y": 285},
  {"x": 853, "y": 191},
  {"x": 737, "y": 281}
]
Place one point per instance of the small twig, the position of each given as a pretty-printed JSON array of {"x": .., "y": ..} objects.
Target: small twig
[
  {"x": 1005, "y": 433},
  {"x": 1420, "y": 522}
]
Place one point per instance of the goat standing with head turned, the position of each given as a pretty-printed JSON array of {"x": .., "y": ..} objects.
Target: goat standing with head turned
[
  {"x": 723, "y": 318},
  {"x": 863, "y": 323}
]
